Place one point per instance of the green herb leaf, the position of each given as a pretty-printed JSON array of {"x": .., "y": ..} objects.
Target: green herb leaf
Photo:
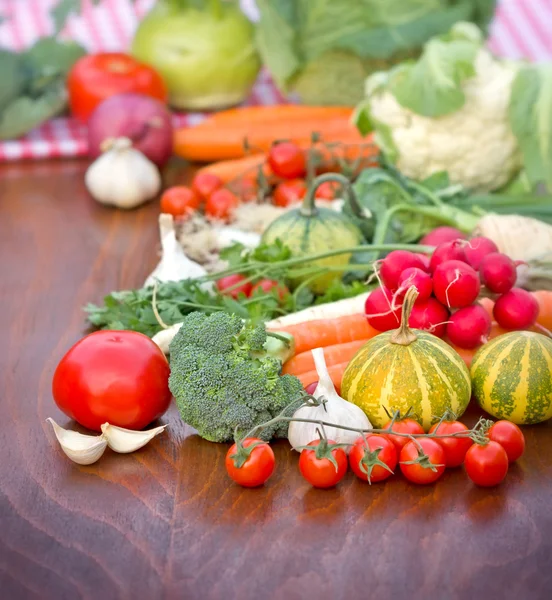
[{"x": 530, "y": 115}]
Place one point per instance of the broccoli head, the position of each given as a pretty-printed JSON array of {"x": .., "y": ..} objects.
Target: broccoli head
[{"x": 222, "y": 377}]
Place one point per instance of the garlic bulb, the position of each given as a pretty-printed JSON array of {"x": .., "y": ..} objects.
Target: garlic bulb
[
  {"x": 334, "y": 410},
  {"x": 87, "y": 449},
  {"x": 122, "y": 176},
  {"x": 174, "y": 264}
]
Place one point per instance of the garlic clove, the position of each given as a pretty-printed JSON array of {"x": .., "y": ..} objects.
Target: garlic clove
[
  {"x": 127, "y": 440},
  {"x": 81, "y": 449},
  {"x": 164, "y": 337}
]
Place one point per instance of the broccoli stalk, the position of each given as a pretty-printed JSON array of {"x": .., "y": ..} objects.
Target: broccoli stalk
[{"x": 224, "y": 380}]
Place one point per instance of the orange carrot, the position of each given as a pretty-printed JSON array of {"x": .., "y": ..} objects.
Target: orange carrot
[
  {"x": 488, "y": 305},
  {"x": 544, "y": 298},
  {"x": 229, "y": 170},
  {"x": 328, "y": 332},
  {"x": 277, "y": 112},
  {"x": 335, "y": 371},
  {"x": 304, "y": 362}
]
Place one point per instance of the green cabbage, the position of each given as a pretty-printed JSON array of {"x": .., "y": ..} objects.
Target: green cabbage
[
  {"x": 203, "y": 49},
  {"x": 325, "y": 49}
]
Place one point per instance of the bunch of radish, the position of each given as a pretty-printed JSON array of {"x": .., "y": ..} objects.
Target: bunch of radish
[{"x": 449, "y": 284}]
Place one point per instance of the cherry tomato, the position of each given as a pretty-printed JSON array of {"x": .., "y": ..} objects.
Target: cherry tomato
[
  {"x": 287, "y": 160},
  {"x": 321, "y": 472},
  {"x": 431, "y": 467},
  {"x": 96, "y": 77},
  {"x": 179, "y": 200},
  {"x": 120, "y": 377},
  {"x": 289, "y": 192},
  {"x": 510, "y": 437},
  {"x": 266, "y": 285},
  {"x": 221, "y": 204},
  {"x": 328, "y": 190},
  {"x": 381, "y": 450},
  {"x": 225, "y": 285},
  {"x": 246, "y": 189},
  {"x": 204, "y": 184},
  {"x": 486, "y": 465},
  {"x": 258, "y": 467},
  {"x": 455, "y": 447},
  {"x": 402, "y": 426}
]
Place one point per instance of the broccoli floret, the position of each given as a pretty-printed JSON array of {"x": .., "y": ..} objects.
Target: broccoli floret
[{"x": 223, "y": 379}]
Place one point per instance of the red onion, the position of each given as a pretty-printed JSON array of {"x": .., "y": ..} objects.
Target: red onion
[{"x": 146, "y": 121}]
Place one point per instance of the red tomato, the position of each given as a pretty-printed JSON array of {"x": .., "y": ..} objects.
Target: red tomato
[
  {"x": 204, "y": 184},
  {"x": 403, "y": 426},
  {"x": 381, "y": 450},
  {"x": 266, "y": 285},
  {"x": 455, "y": 447},
  {"x": 246, "y": 189},
  {"x": 320, "y": 472},
  {"x": 287, "y": 160},
  {"x": 221, "y": 204},
  {"x": 225, "y": 285},
  {"x": 289, "y": 192},
  {"x": 328, "y": 190},
  {"x": 258, "y": 467},
  {"x": 179, "y": 200},
  {"x": 510, "y": 437},
  {"x": 486, "y": 465},
  {"x": 422, "y": 473},
  {"x": 119, "y": 377},
  {"x": 96, "y": 77}
]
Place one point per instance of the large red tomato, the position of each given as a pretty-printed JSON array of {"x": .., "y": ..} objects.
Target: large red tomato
[{"x": 119, "y": 377}]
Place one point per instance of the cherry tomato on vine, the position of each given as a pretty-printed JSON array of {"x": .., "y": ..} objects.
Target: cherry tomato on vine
[
  {"x": 258, "y": 466},
  {"x": 380, "y": 459},
  {"x": 204, "y": 184},
  {"x": 510, "y": 437},
  {"x": 486, "y": 465},
  {"x": 120, "y": 377},
  {"x": 221, "y": 204},
  {"x": 455, "y": 447},
  {"x": 225, "y": 285},
  {"x": 319, "y": 471},
  {"x": 328, "y": 190},
  {"x": 267, "y": 285},
  {"x": 96, "y": 77},
  {"x": 430, "y": 459},
  {"x": 289, "y": 192},
  {"x": 287, "y": 160},
  {"x": 402, "y": 426},
  {"x": 179, "y": 201}
]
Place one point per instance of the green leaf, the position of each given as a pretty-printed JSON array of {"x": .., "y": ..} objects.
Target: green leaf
[
  {"x": 13, "y": 77},
  {"x": 49, "y": 55},
  {"x": 432, "y": 86},
  {"x": 530, "y": 115}
]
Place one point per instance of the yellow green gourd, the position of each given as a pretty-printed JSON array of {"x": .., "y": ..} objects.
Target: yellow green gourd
[
  {"x": 407, "y": 370},
  {"x": 312, "y": 229}
]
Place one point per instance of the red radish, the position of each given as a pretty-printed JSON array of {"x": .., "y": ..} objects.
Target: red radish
[
  {"x": 144, "y": 120},
  {"x": 418, "y": 278},
  {"x": 498, "y": 272},
  {"x": 230, "y": 285},
  {"x": 425, "y": 261},
  {"x": 447, "y": 251},
  {"x": 440, "y": 235},
  {"x": 378, "y": 310},
  {"x": 477, "y": 248},
  {"x": 311, "y": 387},
  {"x": 469, "y": 327},
  {"x": 395, "y": 263},
  {"x": 516, "y": 309},
  {"x": 430, "y": 316},
  {"x": 455, "y": 284}
]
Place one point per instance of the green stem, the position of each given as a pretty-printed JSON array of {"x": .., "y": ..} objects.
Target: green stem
[{"x": 308, "y": 208}]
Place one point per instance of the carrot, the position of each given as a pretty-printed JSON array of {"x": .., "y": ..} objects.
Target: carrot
[
  {"x": 488, "y": 305},
  {"x": 304, "y": 362},
  {"x": 328, "y": 332},
  {"x": 335, "y": 371},
  {"x": 229, "y": 170},
  {"x": 278, "y": 112},
  {"x": 544, "y": 298}
]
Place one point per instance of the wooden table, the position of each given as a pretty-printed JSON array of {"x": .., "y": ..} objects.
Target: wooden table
[{"x": 166, "y": 522}]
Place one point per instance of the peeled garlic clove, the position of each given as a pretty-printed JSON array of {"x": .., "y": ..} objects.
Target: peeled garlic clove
[
  {"x": 81, "y": 449},
  {"x": 127, "y": 440}
]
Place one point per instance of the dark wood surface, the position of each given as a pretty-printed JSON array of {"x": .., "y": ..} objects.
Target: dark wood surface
[{"x": 166, "y": 522}]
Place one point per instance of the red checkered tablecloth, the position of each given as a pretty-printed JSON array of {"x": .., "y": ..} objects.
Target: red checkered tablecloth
[{"x": 521, "y": 28}]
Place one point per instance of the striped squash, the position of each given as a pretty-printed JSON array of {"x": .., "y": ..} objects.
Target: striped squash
[
  {"x": 314, "y": 230},
  {"x": 406, "y": 370},
  {"x": 512, "y": 377}
]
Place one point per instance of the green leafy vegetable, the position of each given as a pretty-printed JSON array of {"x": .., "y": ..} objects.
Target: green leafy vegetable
[
  {"x": 530, "y": 117},
  {"x": 324, "y": 49}
]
